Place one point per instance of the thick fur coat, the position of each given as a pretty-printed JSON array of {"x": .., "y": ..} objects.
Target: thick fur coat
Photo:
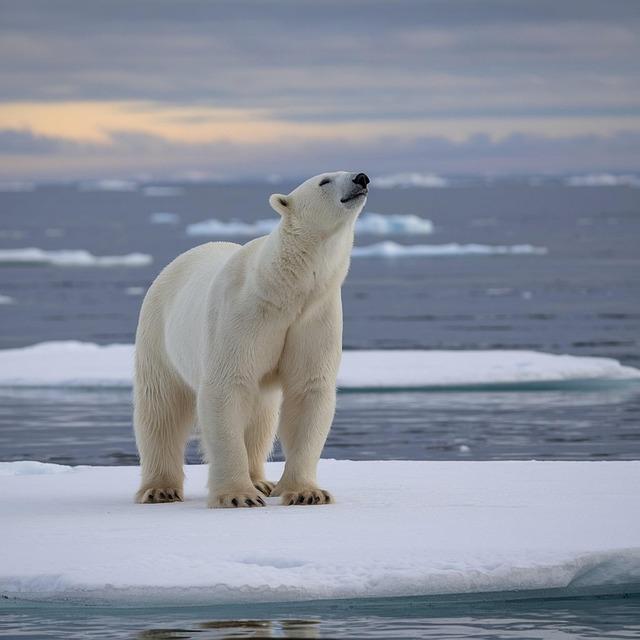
[{"x": 245, "y": 341}]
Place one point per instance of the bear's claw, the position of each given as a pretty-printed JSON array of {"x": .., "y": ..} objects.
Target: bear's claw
[
  {"x": 264, "y": 486},
  {"x": 309, "y": 496},
  {"x": 154, "y": 496},
  {"x": 236, "y": 500}
]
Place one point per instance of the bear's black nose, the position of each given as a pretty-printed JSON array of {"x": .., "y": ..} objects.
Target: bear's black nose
[{"x": 362, "y": 180}]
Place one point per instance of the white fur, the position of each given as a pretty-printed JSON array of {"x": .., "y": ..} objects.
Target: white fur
[{"x": 246, "y": 340}]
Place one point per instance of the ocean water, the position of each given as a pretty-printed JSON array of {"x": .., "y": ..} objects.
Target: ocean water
[
  {"x": 578, "y": 294},
  {"x": 588, "y": 618}
]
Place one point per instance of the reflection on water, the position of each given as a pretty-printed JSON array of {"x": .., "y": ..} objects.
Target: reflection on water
[
  {"x": 76, "y": 426},
  {"x": 579, "y": 618}
]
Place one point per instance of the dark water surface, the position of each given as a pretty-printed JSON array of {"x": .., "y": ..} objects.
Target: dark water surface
[
  {"x": 76, "y": 426},
  {"x": 566, "y": 619}
]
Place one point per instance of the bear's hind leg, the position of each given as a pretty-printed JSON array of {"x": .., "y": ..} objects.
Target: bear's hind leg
[
  {"x": 164, "y": 414},
  {"x": 259, "y": 437}
]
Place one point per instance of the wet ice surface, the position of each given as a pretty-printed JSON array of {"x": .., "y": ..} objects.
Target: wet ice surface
[{"x": 76, "y": 426}]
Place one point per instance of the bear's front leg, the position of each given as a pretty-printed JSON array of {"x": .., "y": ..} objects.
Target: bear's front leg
[
  {"x": 223, "y": 411},
  {"x": 304, "y": 425}
]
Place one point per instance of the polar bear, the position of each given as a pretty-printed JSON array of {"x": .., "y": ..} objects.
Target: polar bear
[{"x": 246, "y": 340}]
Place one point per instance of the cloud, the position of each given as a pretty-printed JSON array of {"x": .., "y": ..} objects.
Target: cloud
[
  {"x": 130, "y": 154},
  {"x": 247, "y": 74}
]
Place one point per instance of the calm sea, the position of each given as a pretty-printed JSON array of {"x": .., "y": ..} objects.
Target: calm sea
[{"x": 582, "y": 297}]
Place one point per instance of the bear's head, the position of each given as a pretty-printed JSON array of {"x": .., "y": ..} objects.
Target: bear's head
[{"x": 324, "y": 202}]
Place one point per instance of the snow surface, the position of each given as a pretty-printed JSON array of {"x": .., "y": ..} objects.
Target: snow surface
[
  {"x": 71, "y": 258},
  {"x": 369, "y": 223},
  {"x": 389, "y": 249},
  {"x": 90, "y": 365},
  {"x": 397, "y": 529},
  {"x": 410, "y": 179}
]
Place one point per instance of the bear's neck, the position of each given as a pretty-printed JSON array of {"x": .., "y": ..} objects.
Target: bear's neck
[{"x": 297, "y": 263}]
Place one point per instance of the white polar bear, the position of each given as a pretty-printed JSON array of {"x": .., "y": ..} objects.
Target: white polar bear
[{"x": 245, "y": 340}]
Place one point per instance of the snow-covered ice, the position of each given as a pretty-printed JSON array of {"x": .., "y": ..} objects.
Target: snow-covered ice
[
  {"x": 397, "y": 529},
  {"x": 71, "y": 258},
  {"x": 89, "y": 365},
  {"x": 390, "y": 249},
  {"x": 368, "y": 223}
]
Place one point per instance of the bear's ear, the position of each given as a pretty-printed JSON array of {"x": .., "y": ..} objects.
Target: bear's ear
[{"x": 279, "y": 203}]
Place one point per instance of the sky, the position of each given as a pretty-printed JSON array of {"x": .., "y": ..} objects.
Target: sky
[{"x": 235, "y": 89}]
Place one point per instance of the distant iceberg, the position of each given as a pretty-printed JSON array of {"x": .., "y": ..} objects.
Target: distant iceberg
[
  {"x": 108, "y": 185},
  {"x": 70, "y": 258},
  {"x": 215, "y": 227},
  {"x": 377, "y": 224},
  {"x": 162, "y": 217},
  {"x": 603, "y": 180},
  {"x": 380, "y": 224},
  {"x": 86, "y": 364},
  {"x": 6, "y": 299},
  {"x": 158, "y": 191},
  {"x": 406, "y": 180},
  {"x": 389, "y": 249}
]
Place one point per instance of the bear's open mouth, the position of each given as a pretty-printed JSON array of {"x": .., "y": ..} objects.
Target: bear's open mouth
[{"x": 354, "y": 195}]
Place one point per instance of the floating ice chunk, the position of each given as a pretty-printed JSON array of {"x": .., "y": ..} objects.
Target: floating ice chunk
[
  {"x": 135, "y": 291},
  {"x": 411, "y": 179},
  {"x": 368, "y": 224},
  {"x": 397, "y": 529},
  {"x": 158, "y": 191},
  {"x": 70, "y": 258},
  {"x": 108, "y": 185},
  {"x": 6, "y": 299},
  {"x": 215, "y": 227},
  {"x": 389, "y": 249},
  {"x": 162, "y": 217},
  {"x": 380, "y": 224},
  {"x": 90, "y": 365},
  {"x": 603, "y": 180}
]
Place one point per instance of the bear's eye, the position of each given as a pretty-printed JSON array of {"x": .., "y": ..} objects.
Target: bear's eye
[{"x": 324, "y": 181}]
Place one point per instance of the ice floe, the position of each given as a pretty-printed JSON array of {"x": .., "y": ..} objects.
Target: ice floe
[
  {"x": 410, "y": 179},
  {"x": 397, "y": 529},
  {"x": 603, "y": 180},
  {"x": 70, "y": 258},
  {"x": 90, "y": 365},
  {"x": 164, "y": 217},
  {"x": 390, "y": 249},
  {"x": 224, "y": 228},
  {"x": 158, "y": 191},
  {"x": 370, "y": 223},
  {"x": 109, "y": 184},
  {"x": 6, "y": 299}
]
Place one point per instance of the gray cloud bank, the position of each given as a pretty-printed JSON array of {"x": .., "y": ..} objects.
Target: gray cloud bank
[{"x": 329, "y": 61}]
